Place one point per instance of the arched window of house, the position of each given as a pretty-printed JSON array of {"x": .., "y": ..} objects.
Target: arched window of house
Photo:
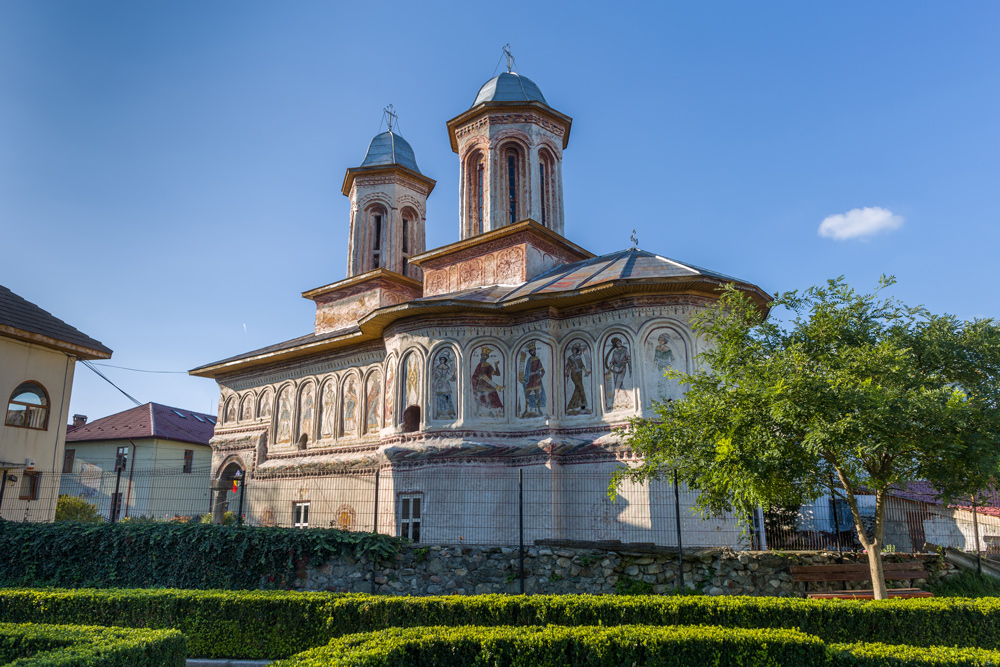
[{"x": 28, "y": 407}]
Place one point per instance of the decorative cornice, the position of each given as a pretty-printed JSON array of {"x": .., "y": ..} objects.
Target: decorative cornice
[
  {"x": 355, "y": 172},
  {"x": 506, "y": 108}
]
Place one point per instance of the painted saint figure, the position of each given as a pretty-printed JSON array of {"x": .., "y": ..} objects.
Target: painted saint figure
[
  {"x": 231, "y": 411},
  {"x": 412, "y": 381},
  {"x": 576, "y": 369},
  {"x": 617, "y": 362},
  {"x": 328, "y": 411},
  {"x": 390, "y": 391},
  {"x": 246, "y": 412},
  {"x": 284, "y": 434},
  {"x": 373, "y": 399},
  {"x": 663, "y": 359},
  {"x": 264, "y": 405},
  {"x": 350, "y": 420},
  {"x": 444, "y": 388},
  {"x": 306, "y": 412},
  {"x": 485, "y": 391},
  {"x": 532, "y": 372}
]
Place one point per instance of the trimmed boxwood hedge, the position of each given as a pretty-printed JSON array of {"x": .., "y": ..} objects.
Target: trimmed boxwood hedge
[
  {"x": 181, "y": 555},
  {"x": 554, "y": 646},
  {"x": 276, "y": 624},
  {"x": 595, "y": 646},
  {"x": 29, "y": 644}
]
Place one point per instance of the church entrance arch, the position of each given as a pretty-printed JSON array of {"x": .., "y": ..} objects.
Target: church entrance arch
[{"x": 223, "y": 487}]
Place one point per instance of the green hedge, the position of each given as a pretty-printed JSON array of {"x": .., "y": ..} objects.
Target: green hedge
[
  {"x": 558, "y": 646},
  {"x": 595, "y": 646},
  {"x": 142, "y": 555},
  {"x": 28, "y": 644},
  {"x": 277, "y": 624}
]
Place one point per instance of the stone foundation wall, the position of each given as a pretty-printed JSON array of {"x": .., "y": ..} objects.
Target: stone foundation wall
[{"x": 469, "y": 570}]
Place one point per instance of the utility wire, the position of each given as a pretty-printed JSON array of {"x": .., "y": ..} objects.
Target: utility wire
[
  {"x": 138, "y": 370},
  {"x": 104, "y": 377}
]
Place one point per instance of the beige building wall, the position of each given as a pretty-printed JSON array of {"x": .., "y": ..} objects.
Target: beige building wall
[
  {"x": 154, "y": 483},
  {"x": 22, "y": 362}
]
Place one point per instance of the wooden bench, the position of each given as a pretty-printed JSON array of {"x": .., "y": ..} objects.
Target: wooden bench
[{"x": 861, "y": 572}]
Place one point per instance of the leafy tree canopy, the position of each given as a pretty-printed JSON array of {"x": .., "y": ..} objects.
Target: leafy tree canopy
[{"x": 858, "y": 388}]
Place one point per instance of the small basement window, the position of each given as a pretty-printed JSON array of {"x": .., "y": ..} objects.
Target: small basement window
[
  {"x": 30, "y": 481},
  {"x": 300, "y": 515},
  {"x": 409, "y": 516}
]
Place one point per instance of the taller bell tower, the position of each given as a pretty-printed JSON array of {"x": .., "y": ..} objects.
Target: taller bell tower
[
  {"x": 388, "y": 207},
  {"x": 510, "y": 146}
]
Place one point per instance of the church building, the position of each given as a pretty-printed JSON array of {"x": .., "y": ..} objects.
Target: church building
[{"x": 450, "y": 370}]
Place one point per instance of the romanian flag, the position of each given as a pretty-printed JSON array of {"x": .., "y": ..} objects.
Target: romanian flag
[{"x": 235, "y": 484}]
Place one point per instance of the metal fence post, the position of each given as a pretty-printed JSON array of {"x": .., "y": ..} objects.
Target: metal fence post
[
  {"x": 375, "y": 529},
  {"x": 119, "y": 464},
  {"x": 975, "y": 527},
  {"x": 243, "y": 491},
  {"x": 520, "y": 522},
  {"x": 680, "y": 552}
]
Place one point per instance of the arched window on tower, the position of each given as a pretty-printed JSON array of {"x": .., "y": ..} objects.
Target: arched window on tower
[
  {"x": 376, "y": 227},
  {"x": 513, "y": 167},
  {"x": 408, "y": 229},
  {"x": 546, "y": 169}
]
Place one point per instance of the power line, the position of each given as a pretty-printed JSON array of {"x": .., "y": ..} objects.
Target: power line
[
  {"x": 139, "y": 370},
  {"x": 91, "y": 366}
]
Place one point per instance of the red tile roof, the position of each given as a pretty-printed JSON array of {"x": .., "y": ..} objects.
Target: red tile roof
[{"x": 151, "y": 420}]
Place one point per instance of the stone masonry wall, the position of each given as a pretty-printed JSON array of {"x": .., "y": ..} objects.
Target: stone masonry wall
[{"x": 469, "y": 570}]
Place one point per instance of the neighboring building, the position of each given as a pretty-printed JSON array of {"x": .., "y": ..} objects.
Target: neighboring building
[
  {"x": 448, "y": 370},
  {"x": 38, "y": 354},
  {"x": 161, "y": 452}
]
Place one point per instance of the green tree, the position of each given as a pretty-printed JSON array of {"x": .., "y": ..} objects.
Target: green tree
[
  {"x": 71, "y": 508},
  {"x": 857, "y": 387}
]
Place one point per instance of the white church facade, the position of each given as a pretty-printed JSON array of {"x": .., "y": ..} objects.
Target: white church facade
[{"x": 449, "y": 370}]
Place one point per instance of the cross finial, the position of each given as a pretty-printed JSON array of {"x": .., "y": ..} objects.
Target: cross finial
[
  {"x": 389, "y": 116},
  {"x": 509, "y": 55},
  {"x": 635, "y": 239}
]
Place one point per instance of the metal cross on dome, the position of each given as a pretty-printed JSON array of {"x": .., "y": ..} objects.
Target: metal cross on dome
[
  {"x": 389, "y": 116},
  {"x": 509, "y": 55},
  {"x": 634, "y": 239}
]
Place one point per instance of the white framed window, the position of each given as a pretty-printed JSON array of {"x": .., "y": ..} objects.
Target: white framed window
[
  {"x": 300, "y": 514},
  {"x": 410, "y": 507}
]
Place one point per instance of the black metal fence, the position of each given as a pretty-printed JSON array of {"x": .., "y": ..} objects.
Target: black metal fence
[{"x": 494, "y": 506}]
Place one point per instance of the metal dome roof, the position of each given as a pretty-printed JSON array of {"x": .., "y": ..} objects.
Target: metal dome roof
[
  {"x": 509, "y": 87},
  {"x": 390, "y": 148}
]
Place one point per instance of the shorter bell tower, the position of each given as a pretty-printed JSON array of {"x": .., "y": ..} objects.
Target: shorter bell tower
[{"x": 388, "y": 206}]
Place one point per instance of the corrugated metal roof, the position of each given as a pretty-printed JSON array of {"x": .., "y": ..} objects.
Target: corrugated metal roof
[
  {"x": 390, "y": 148},
  {"x": 19, "y": 313},
  {"x": 509, "y": 87},
  {"x": 151, "y": 420}
]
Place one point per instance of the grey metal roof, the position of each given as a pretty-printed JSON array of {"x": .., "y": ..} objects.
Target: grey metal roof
[
  {"x": 390, "y": 148},
  {"x": 19, "y": 313},
  {"x": 509, "y": 87}
]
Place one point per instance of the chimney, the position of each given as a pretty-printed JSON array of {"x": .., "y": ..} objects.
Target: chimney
[{"x": 79, "y": 420}]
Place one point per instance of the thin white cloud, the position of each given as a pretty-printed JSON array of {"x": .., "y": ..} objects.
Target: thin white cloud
[{"x": 859, "y": 223}]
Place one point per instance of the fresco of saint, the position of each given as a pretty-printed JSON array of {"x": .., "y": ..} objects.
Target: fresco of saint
[
  {"x": 664, "y": 359},
  {"x": 444, "y": 387},
  {"x": 349, "y": 420},
  {"x": 306, "y": 404},
  {"x": 246, "y": 411},
  {"x": 617, "y": 386},
  {"x": 328, "y": 411},
  {"x": 532, "y": 372},
  {"x": 577, "y": 368},
  {"x": 264, "y": 405},
  {"x": 390, "y": 393},
  {"x": 284, "y": 434},
  {"x": 373, "y": 402},
  {"x": 412, "y": 381},
  {"x": 231, "y": 411},
  {"x": 486, "y": 392}
]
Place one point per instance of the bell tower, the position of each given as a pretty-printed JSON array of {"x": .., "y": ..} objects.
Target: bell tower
[
  {"x": 388, "y": 206},
  {"x": 510, "y": 145}
]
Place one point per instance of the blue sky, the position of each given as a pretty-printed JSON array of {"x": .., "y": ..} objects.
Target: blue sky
[{"x": 170, "y": 172}]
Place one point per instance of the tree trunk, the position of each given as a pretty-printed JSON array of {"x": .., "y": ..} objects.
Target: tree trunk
[{"x": 878, "y": 574}]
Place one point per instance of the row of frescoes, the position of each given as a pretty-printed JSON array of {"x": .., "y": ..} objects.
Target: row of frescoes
[{"x": 582, "y": 384}]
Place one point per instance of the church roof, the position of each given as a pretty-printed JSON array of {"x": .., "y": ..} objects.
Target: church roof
[
  {"x": 509, "y": 87},
  {"x": 631, "y": 264},
  {"x": 389, "y": 148}
]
